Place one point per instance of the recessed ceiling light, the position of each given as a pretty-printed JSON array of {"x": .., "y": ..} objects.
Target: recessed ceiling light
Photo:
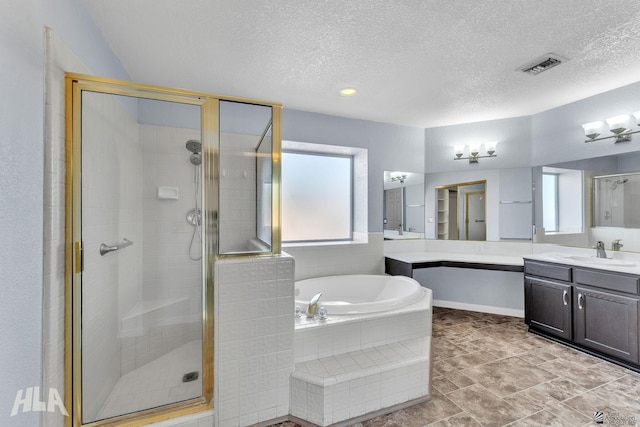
[{"x": 348, "y": 91}]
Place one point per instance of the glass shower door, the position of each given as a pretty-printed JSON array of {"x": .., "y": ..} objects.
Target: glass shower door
[{"x": 142, "y": 278}]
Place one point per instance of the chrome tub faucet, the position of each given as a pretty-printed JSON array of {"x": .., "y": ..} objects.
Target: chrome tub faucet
[{"x": 312, "y": 308}]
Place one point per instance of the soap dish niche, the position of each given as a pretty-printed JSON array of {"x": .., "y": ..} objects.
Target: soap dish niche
[{"x": 168, "y": 193}]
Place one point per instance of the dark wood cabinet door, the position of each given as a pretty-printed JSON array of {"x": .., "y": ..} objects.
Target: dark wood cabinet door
[
  {"x": 606, "y": 322},
  {"x": 548, "y": 306}
]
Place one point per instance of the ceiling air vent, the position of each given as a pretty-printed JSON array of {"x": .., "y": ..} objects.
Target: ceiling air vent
[{"x": 543, "y": 63}]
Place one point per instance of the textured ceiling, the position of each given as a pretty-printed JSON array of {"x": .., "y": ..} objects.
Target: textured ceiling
[{"x": 423, "y": 63}]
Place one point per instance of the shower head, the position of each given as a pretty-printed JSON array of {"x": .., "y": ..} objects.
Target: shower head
[
  {"x": 195, "y": 159},
  {"x": 618, "y": 182},
  {"x": 193, "y": 145}
]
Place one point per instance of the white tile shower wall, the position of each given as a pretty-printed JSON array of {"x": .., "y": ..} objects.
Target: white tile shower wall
[
  {"x": 253, "y": 348},
  {"x": 339, "y": 258},
  {"x": 59, "y": 59},
  {"x": 167, "y": 311},
  {"x": 238, "y": 194},
  {"x": 112, "y": 210}
]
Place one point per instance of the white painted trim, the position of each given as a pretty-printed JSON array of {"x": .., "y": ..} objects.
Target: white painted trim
[{"x": 479, "y": 308}]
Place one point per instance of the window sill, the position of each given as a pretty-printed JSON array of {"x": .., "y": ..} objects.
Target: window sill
[{"x": 358, "y": 239}]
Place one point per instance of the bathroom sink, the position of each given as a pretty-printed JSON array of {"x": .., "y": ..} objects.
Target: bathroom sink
[{"x": 600, "y": 261}]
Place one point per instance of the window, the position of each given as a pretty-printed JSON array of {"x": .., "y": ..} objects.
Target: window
[
  {"x": 550, "y": 202},
  {"x": 317, "y": 196}
]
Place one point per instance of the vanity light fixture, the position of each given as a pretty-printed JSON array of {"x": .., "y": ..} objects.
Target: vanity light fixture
[
  {"x": 474, "y": 151},
  {"x": 400, "y": 178},
  {"x": 618, "y": 126}
]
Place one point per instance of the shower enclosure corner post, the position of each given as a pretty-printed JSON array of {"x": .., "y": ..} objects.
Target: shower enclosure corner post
[
  {"x": 276, "y": 179},
  {"x": 73, "y": 248},
  {"x": 211, "y": 201}
]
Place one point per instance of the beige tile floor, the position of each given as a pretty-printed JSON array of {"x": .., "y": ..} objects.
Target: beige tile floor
[{"x": 489, "y": 371}]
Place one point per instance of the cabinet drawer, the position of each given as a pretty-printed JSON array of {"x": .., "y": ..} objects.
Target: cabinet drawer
[
  {"x": 550, "y": 271},
  {"x": 606, "y": 280}
]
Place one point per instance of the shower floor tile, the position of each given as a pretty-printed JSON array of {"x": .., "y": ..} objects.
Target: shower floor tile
[{"x": 157, "y": 383}]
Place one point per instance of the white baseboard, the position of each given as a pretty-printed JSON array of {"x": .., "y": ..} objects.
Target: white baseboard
[{"x": 479, "y": 308}]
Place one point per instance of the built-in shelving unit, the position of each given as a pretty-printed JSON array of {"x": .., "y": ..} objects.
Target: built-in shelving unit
[{"x": 443, "y": 214}]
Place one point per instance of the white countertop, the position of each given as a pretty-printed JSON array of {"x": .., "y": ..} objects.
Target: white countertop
[
  {"x": 622, "y": 262},
  {"x": 415, "y": 257}
]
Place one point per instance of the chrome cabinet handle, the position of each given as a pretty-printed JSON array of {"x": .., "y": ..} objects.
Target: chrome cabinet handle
[
  {"x": 564, "y": 297},
  {"x": 580, "y": 297}
]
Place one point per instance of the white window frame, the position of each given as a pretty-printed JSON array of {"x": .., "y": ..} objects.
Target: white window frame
[{"x": 359, "y": 189}]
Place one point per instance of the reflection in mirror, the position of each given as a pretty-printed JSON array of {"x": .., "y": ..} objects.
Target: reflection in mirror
[
  {"x": 462, "y": 211},
  {"x": 403, "y": 205},
  {"x": 585, "y": 213},
  {"x": 616, "y": 200}
]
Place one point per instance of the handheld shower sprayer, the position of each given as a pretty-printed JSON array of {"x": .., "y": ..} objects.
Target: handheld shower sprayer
[{"x": 194, "y": 215}]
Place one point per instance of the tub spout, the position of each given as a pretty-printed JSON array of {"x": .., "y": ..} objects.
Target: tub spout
[{"x": 313, "y": 305}]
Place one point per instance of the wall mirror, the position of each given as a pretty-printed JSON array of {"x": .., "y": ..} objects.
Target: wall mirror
[
  {"x": 615, "y": 200},
  {"x": 461, "y": 213},
  {"x": 579, "y": 202},
  {"x": 403, "y": 209}
]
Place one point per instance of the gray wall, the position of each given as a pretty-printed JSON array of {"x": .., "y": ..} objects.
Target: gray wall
[
  {"x": 513, "y": 149},
  {"x": 557, "y": 134},
  {"x": 22, "y": 175}
]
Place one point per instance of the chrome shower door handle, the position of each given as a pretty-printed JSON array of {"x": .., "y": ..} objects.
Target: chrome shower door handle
[
  {"x": 564, "y": 298},
  {"x": 104, "y": 249}
]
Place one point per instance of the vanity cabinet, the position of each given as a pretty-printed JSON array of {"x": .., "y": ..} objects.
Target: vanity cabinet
[
  {"x": 547, "y": 306},
  {"x": 607, "y": 322},
  {"x": 587, "y": 308}
]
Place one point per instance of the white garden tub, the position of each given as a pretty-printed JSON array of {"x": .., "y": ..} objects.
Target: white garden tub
[{"x": 358, "y": 293}]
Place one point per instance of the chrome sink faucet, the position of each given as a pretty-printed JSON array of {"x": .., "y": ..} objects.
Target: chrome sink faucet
[
  {"x": 313, "y": 305},
  {"x": 616, "y": 245},
  {"x": 599, "y": 247}
]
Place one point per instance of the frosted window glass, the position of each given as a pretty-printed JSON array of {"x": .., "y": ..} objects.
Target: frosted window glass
[{"x": 316, "y": 197}]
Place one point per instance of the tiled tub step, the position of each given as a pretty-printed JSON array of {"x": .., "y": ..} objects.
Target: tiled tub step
[{"x": 331, "y": 390}]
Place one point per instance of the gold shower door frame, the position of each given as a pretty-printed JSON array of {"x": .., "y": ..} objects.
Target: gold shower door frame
[{"x": 75, "y": 84}]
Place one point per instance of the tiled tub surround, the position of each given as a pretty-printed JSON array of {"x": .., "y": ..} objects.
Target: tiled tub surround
[
  {"x": 352, "y": 367},
  {"x": 253, "y": 339},
  {"x": 489, "y": 371}
]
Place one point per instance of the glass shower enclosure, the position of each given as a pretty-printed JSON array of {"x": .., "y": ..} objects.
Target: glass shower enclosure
[{"x": 160, "y": 183}]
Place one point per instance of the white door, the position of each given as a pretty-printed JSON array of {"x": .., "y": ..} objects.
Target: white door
[{"x": 475, "y": 218}]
